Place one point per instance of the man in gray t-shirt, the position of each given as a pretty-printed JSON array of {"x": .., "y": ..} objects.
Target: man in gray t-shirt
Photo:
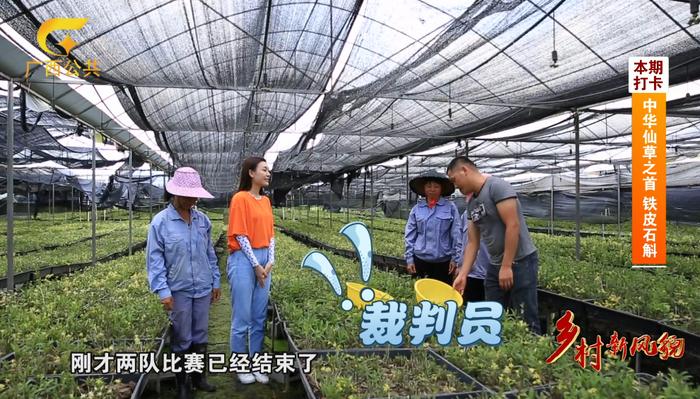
[{"x": 495, "y": 216}]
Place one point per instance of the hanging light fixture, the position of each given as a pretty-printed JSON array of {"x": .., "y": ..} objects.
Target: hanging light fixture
[
  {"x": 555, "y": 55},
  {"x": 694, "y": 19},
  {"x": 449, "y": 102},
  {"x": 392, "y": 116}
]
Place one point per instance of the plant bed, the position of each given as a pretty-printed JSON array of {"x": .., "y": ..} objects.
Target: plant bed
[
  {"x": 275, "y": 329},
  {"x": 547, "y": 299},
  {"x": 536, "y": 391},
  {"x": 381, "y": 261},
  {"x": 597, "y": 320},
  {"x": 43, "y": 323},
  {"x": 123, "y": 385},
  {"x": 72, "y": 254},
  {"x": 313, "y": 320},
  {"x": 61, "y": 270},
  {"x": 55, "y": 246},
  {"x": 279, "y": 330},
  {"x": 377, "y": 373},
  {"x": 6, "y": 357}
]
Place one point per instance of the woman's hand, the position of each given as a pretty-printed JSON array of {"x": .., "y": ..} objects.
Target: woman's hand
[
  {"x": 268, "y": 269},
  {"x": 453, "y": 268},
  {"x": 411, "y": 268},
  {"x": 260, "y": 275},
  {"x": 215, "y": 295},
  {"x": 168, "y": 303}
]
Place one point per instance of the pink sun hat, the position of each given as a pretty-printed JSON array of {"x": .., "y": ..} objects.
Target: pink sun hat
[{"x": 187, "y": 183}]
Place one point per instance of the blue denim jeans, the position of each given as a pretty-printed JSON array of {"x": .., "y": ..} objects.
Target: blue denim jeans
[
  {"x": 522, "y": 297},
  {"x": 248, "y": 302}
]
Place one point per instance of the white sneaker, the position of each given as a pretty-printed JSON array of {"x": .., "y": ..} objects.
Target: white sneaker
[
  {"x": 246, "y": 378},
  {"x": 261, "y": 378}
]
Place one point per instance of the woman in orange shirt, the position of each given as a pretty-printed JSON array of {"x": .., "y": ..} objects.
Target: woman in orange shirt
[{"x": 251, "y": 245}]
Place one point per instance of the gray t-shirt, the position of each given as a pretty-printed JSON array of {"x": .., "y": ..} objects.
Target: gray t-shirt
[{"x": 483, "y": 212}]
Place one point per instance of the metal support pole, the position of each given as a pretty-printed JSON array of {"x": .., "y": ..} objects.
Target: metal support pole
[
  {"x": 330, "y": 206},
  {"x": 371, "y": 194},
  {"x": 364, "y": 191},
  {"x": 71, "y": 201},
  {"x": 93, "y": 199},
  {"x": 53, "y": 200},
  {"x": 578, "y": 185},
  {"x": 129, "y": 201},
  {"x": 150, "y": 196},
  {"x": 164, "y": 182},
  {"x": 551, "y": 207},
  {"x": 10, "y": 185},
  {"x": 619, "y": 202},
  {"x": 347, "y": 201},
  {"x": 408, "y": 189},
  {"x": 29, "y": 208},
  {"x": 318, "y": 205}
]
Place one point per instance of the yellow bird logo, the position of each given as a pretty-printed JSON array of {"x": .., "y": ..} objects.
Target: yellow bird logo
[{"x": 54, "y": 24}]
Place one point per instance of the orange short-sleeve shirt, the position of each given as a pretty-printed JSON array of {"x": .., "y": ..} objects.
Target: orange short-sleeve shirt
[{"x": 250, "y": 217}]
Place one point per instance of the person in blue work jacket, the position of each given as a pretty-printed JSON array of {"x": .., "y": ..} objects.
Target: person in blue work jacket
[
  {"x": 474, "y": 289},
  {"x": 184, "y": 272},
  {"x": 433, "y": 233}
]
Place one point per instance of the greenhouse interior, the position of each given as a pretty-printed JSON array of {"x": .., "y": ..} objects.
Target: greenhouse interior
[{"x": 351, "y": 103}]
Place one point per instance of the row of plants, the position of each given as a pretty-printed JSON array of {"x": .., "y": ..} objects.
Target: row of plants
[
  {"x": 612, "y": 252},
  {"x": 681, "y": 238},
  {"x": 314, "y": 214},
  {"x": 23, "y": 226},
  {"x": 107, "y": 308},
  {"x": 679, "y": 231},
  {"x": 216, "y": 215},
  {"x": 605, "y": 251},
  {"x": 76, "y": 218},
  {"x": 40, "y": 236},
  {"x": 657, "y": 294},
  {"x": 314, "y": 320},
  {"x": 399, "y": 223},
  {"x": 346, "y": 375},
  {"x": 76, "y": 253}
]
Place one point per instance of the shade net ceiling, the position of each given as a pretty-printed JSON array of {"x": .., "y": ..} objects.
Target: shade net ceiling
[
  {"x": 46, "y": 136},
  {"x": 605, "y": 143},
  {"x": 224, "y": 68},
  {"x": 426, "y": 72},
  {"x": 207, "y": 76}
]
